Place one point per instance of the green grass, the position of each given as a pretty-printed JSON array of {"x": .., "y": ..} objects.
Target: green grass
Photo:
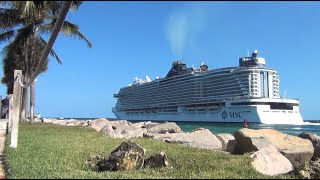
[{"x": 53, "y": 151}]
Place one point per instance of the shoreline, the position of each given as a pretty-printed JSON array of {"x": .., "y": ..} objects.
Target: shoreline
[{"x": 218, "y": 127}]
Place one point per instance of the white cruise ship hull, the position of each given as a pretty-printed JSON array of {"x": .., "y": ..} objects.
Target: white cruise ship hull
[{"x": 229, "y": 114}]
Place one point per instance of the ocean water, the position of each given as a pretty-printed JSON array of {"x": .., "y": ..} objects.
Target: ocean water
[{"x": 217, "y": 128}]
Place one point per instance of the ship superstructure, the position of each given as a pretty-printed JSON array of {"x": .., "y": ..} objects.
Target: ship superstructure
[{"x": 231, "y": 94}]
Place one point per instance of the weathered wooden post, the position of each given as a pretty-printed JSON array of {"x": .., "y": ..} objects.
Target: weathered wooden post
[
  {"x": 9, "y": 114},
  {"x": 16, "y": 109},
  {"x": 1, "y": 107}
]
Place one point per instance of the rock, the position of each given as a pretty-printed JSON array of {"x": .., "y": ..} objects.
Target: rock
[
  {"x": 128, "y": 131},
  {"x": 145, "y": 124},
  {"x": 308, "y": 170},
  {"x": 130, "y": 146},
  {"x": 199, "y": 138},
  {"x": 128, "y": 156},
  {"x": 156, "y": 161},
  {"x": 315, "y": 140},
  {"x": 36, "y": 119},
  {"x": 150, "y": 125},
  {"x": 47, "y": 120},
  {"x": 121, "y": 123},
  {"x": 65, "y": 122},
  {"x": 60, "y": 122},
  {"x": 162, "y": 128},
  {"x": 93, "y": 161},
  {"x": 296, "y": 149},
  {"x": 249, "y": 142},
  {"x": 224, "y": 139},
  {"x": 98, "y": 124},
  {"x": 270, "y": 162},
  {"x": 74, "y": 122},
  {"x": 107, "y": 130},
  {"x": 231, "y": 146}
]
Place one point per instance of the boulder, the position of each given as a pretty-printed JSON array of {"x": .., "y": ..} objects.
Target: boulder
[
  {"x": 48, "y": 120},
  {"x": 156, "y": 161},
  {"x": 150, "y": 125},
  {"x": 224, "y": 139},
  {"x": 162, "y": 128},
  {"x": 315, "y": 140},
  {"x": 127, "y": 131},
  {"x": 198, "y": 138},
  {"x": 98, "y": 124},
  {"x": 231, "y": 146},
  {"x": 55, "y": 121},
  {"x": 60, "y": 122},
  {"x": 107, "y": 130},
  {"x": 145, "y": 124},
  {"x": 121, "y": 123},
  {"x": 296, "y": 149},
  {"x": 128, "y": 156},
  {"x": 36, "y": 119},
  {"x": 308, "y": 170},
  {"x": 74, "y": 122},
  {"x": 270, "y": 162}
]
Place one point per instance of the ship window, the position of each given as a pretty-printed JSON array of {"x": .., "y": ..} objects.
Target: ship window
[
  {"x": 248, "y": 103},
  {"x": 285, "y": 106}
]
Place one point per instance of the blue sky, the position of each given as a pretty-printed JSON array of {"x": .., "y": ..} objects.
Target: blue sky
[{"x": 135, "y": 39}]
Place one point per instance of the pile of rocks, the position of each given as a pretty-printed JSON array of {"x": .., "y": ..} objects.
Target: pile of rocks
[{"x": 272, "y": 152}]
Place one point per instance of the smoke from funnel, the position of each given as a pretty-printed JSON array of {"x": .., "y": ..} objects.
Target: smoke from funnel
[
  {"x": 183, "y": 25},
  {"x": 177, "y": 33}
]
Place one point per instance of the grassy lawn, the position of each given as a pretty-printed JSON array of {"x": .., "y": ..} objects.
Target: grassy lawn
[{"x": 54, "y": 151}]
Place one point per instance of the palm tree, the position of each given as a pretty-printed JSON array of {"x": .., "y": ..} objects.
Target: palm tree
[
  {"x": 26, "y": 22},
  {"x": 14, "y": 58}
]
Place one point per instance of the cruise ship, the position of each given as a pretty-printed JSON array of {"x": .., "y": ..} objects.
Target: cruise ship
[{"x": 248, "y": 92}]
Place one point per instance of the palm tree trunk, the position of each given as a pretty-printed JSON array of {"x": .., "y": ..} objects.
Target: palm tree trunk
[
  {"x": 32, "y": 102},
  {"x": 30, "y": 69},
  {"x": 24, "y": 104}
]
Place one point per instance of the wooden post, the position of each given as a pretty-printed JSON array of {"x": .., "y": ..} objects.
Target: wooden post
[
  {"x": 16, "y": 109},
  {"x": 10, "y": 108},
  {"x": 1, "y": 107}
]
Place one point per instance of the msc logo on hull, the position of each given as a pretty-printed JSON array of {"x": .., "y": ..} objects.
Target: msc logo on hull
[
  {"x": 237, "y": 114},
  {"x": 224, "y": 114}
]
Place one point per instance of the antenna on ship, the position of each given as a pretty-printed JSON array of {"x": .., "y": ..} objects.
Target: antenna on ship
[
  {"x": 285, "y": 93},
  {"x": 247, "y": 52}
]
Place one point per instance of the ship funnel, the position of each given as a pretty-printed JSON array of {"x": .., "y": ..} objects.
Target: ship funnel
[{"x": 254, "y": 54}]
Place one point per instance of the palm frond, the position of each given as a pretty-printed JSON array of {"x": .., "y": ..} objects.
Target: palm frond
[
  {"x": 6, "y": 36},
  {"x": 22, "y": 35},
  {"x": 52, "y": 52},
  {"x": 54, "y": 7},
  {"x": 68, "y": 29},
  {"x": 9, "y": 18},
  {"x": 75, "y": 5},
  {"x": 30, "y": 9}
]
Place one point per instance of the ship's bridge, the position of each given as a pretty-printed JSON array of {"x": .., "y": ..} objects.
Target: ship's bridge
[{"x": 252, "y": 61}]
